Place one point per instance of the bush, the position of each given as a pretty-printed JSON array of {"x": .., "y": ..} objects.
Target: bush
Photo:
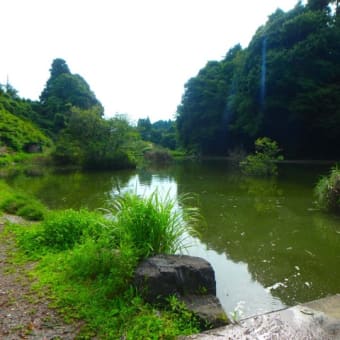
[
  {"x": 63, "y": 229},
  {"x": 327, "y": 191},
  {"x": 13, "y": 203},
  {"x": 263, "y": 162},
  {"x": 114, "y": 161},
  {"x": 153, "y": 225},
  {"x": 24, "y": 206},
  {"x": 98, "y": 260},
  {"x": 18, "y": 133},
  {"x": 33, "y": 211}
]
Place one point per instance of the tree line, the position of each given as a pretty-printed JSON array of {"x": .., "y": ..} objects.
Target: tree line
[
  {"x": 69, "y": 116},
  {"x": 285, "y": 85}
]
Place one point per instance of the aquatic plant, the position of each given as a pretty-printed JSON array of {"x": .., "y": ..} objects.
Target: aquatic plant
[
  {"x": 327, "y": 191},
  {"x": 263, "y": 162}
]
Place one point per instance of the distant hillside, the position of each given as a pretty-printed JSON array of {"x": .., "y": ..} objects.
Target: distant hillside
[
  {"x": 69, "y": 114},
  {"x": 19, "y": 134}
]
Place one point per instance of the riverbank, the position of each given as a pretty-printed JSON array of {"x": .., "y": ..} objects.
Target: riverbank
[
  {"x": 319, "y": 319},
  {"x": 68, "y": 277}
]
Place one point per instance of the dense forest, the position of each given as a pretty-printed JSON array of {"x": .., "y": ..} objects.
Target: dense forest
[
  {"x": 69, "y": 117},
  {"x": 285, "y": 85}
]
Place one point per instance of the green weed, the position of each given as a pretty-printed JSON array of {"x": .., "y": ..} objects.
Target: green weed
[
  {"x": 22, "y": 205},
  {"x": 153, "y": 225},
  {"x": 63, "y": 229},
  {"x": 327, "y": 191},
  {"x": 263, "y": 162}
]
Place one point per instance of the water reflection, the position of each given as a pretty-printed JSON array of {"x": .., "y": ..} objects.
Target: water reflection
[
  {"x": 267, "y": 243},
  {"x": 264, "y": 192}
]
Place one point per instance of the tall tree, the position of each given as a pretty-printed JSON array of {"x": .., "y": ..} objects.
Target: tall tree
[
  {"x": 285, "y": 85},
  {"x": 318, "y": 5},
  {"x": 64, "y": 90}
]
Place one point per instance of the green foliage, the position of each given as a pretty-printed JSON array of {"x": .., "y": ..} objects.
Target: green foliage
[
  {"x": 22, "y": 205},
  {"x": 327, "y": 191},
  {"x": 204, "y": 113},
  {"x": 23, "y": 108},
  {"x": 95, "y": 143},
  {"x": 107, "y": 316},
  {"x": 69, "y": 111},
  {"x": 63, "y": 229},
  {"x": 185, "y": 317},
  {"x": 18, "y": 134},
  {"x": 67, "y": 151},
  {"x": 13, "y": 203},
  {"x": 153, "y": 225},
  {"x": 5, "y": 192},
  {"x": 262, "y": 163},
  {"x": 64, "y": 90},
  {"x": 90, "y": 274},
  {"x": 98, "y": 259},
  {"x": 284, "y": 85},
  {"x": 162, "y": 132}
]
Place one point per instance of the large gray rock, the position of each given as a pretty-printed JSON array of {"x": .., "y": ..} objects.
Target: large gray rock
[
  {"x": 164, "y": 275},
  {"x": 191, "y": 279}
]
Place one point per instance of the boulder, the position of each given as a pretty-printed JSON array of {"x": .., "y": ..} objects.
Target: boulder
[
  {"x": 163, "y": 275},
  {"x": 191, "y": 279}
]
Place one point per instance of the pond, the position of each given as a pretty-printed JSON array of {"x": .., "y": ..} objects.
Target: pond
[{"x": 269, "y": 245}]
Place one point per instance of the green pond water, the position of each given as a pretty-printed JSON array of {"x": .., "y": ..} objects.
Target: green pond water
[{"x": 269, "y": 245}]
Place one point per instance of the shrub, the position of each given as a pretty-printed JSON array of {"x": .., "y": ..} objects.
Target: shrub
[
  {"x": 63, "y": 229},
  {"x": 327, "y": 191},
  {"x": 153, "y": 225},
  {"x": 97, "y": 259},
  {"x": 5, "y": 192},
  {"x": 24, "y": 206},
  {"x": 33, "y": 211},
  {"x": 18, "y": 133},
  {"x": 263, "y": 162},
  {"x": 13, "y": 203}
]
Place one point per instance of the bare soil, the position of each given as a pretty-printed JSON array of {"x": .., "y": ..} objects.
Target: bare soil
[{"x": 24, "y": 313}]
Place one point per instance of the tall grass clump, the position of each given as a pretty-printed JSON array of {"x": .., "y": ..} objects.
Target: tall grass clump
[
  {"x": 154, "y": 225},
  {"x": 327, "y": 191}
]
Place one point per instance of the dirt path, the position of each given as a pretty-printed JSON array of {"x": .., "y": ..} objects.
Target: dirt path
[{"x": 24, "y": 314}]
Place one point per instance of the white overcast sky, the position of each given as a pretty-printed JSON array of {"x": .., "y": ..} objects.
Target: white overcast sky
[{"x": 136, "y": 55}]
